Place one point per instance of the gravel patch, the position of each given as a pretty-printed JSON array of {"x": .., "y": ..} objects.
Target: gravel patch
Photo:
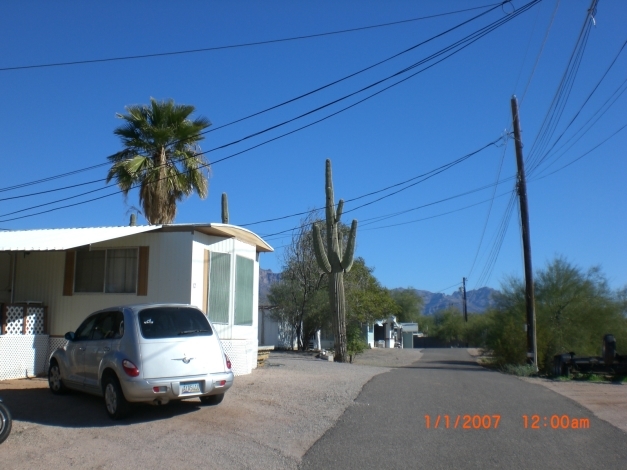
[{"x": 607, "y": 401}]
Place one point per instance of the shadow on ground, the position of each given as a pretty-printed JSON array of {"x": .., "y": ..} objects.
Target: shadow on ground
[{"x": 79, "y": 410}]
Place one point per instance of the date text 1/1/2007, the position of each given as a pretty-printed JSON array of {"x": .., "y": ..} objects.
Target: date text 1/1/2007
[{"x": 462, "y": 421}]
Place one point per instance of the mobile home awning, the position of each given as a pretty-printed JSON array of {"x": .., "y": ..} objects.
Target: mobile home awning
[
  {"x": 64, "y": 238},
  {"x": 68, "y": 238}
]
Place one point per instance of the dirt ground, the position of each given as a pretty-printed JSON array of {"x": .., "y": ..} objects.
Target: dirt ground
[
  {"x": 269, "y": 419},
  {"x": 608, "y": 401}
]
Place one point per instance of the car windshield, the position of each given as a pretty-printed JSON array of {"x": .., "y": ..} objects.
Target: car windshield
[{"x": 172, "y": 322}]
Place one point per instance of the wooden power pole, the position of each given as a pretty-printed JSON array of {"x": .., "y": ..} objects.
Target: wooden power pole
[
  {"x": 464, "y": 298},
  {"x": 532, "y": 346}
]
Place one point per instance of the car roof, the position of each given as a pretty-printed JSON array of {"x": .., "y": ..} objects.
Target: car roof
[{"x": 138, "y": 307}]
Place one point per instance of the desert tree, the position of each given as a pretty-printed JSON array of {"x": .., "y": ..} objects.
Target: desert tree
[{"x": 161, "y": 157}]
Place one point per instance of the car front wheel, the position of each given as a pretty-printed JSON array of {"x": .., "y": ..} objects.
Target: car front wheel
[
  {"x": 116, "y": 405},
  {"x": 212, "y": 399},
  {"x": 54, "y": 379},
  {"x": 5, "y": 423}
]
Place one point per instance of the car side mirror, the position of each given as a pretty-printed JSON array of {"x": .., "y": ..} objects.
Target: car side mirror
[{"x": 69, "y": 336}]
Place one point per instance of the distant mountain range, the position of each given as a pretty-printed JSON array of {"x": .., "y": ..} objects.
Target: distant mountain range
[
  {"x": 478, "y": 300},
  {"x": 266, "y": 279}
]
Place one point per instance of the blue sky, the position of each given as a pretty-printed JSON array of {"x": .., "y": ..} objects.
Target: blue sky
[{"x": 60, "y": 119}]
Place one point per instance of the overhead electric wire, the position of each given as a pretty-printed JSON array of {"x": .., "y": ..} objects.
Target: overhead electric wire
[
  {"x": 346, "y": 77},
  {"x": 434, "y": 171},
  {"x": 557, "y": 111},
  {"x": 535, "y": 65},
  {"x": 248, "y": 44},
  {"x": 485, "y": 225},
  {"x": 580, "y": 133},
  {"x": 562, "y": 93},
  {"x": 524, "y": 58},
  {"x": 498, "y": 242},
  {"x": 507, "y": 217},
  {"x": 582, "y": 106},
  {"x": 50, "y": 178},
  {"x": 434, "y": 216},
  {"x": 468, "y": 40},
  {"x": 447, "y": 288},
  {"x": 465, "y": 193},
  {"x": 620, "y": 129},
  {"x": 291, "y": 100},
  {"x": 482, "y": 32},
  {"x": 47, "y": 191},
  {"x": 450, "y": 164}
]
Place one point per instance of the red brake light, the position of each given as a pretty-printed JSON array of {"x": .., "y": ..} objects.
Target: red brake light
[
  {"x": 228, "y": 361},
  {"x": 130, "y": 368}
]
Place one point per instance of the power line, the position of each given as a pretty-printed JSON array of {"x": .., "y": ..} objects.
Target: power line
[
  {"x": 485, "y": 225},
  {"x": 346, "y": 77},
  {"x": 468, "y": 40},
  {"x": 247, "y": 44},
  {"x": 620, "y": 129},
  {"x": 535, "y": 65},
  {"x": 442, "y": 51},
  {"x": 498, "y": 242},
  {"x": 576, "y": 115},
  {"x": 425, "y": 176},
  {"x": 562, "y": 93},
  {"x": 434, "y": 216},
  {"x": 50, "y": 178},
  {"x": 579, "y": 134},
  {"x": 379, "y": 218}
]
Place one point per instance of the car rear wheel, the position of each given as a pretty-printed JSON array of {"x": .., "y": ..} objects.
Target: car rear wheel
[
  {"x": 54, "y": 379},
  {"x": 212, "y": 399},
  {"x": 116, "y": 405}
]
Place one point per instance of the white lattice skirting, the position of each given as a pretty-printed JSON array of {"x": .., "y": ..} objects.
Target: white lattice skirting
[
  {"x": 34, "y": 319},
  {"x": 27, "y": 355},
  {"x": 23, "y": 355},
  {"x": 242, "y": 353}
]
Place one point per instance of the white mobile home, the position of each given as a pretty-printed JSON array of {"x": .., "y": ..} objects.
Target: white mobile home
[{"x": 50, "y": 280}]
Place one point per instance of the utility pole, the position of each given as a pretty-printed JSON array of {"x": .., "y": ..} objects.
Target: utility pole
[
  {"x": 530, "y": 327},
  {"x": 464, "y": 297}
]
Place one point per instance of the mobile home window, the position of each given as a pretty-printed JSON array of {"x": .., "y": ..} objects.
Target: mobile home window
[
  {"x": 219, "y": 287},
  {"x": 111, "y": 271},
  {"x": 244, "y": 270}
]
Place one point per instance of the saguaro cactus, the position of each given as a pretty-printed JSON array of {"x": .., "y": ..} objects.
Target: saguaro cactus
[
  {"x": 335, "y": 263},
  {"x": 225, "y": 209}
]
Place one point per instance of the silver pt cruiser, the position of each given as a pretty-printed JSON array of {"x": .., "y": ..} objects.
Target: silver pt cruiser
[{"x": 149, "y": 353}]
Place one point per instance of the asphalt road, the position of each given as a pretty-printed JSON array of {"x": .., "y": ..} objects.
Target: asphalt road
[{"x": 386, "y": 426}]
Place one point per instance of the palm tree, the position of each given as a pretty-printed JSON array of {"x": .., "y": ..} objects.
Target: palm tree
[{"x": 161, "y": 156}]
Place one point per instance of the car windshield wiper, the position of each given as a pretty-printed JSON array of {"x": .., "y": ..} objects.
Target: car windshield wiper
[{"x": 189, "y": 332}]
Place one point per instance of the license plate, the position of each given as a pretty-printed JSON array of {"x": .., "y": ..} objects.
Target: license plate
[{"x": 190, "y": 387}]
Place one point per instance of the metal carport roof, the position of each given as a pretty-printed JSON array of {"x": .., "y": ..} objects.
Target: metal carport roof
[{"x": 68, "y": 238}]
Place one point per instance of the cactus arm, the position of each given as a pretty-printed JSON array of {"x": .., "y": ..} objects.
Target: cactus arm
[
  {"x": 347, "y": 261},
  {"x": 321, "y": 255},
  {"x": 340, "y": 209}
]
